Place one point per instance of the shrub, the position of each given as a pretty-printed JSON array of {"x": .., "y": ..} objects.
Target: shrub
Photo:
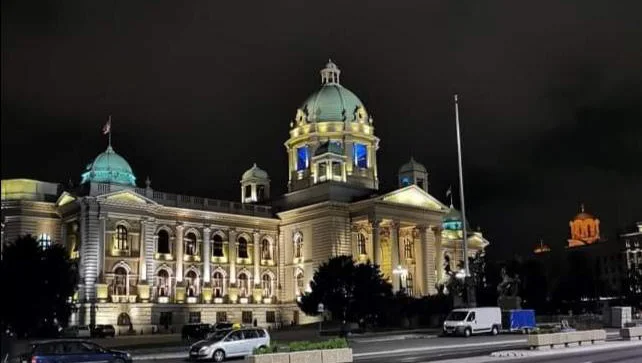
[{"x": 336, "y": 343}]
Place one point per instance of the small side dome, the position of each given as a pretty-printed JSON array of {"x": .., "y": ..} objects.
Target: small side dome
[
  {"x": 255, "y": 173},
  {"x": 452, "y": 221},
  {"x": 412, "y": 165},
  {"x": 109, "y": 167}
]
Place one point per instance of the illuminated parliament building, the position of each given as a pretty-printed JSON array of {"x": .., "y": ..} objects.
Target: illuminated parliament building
[{"x": 149, "y": 258}]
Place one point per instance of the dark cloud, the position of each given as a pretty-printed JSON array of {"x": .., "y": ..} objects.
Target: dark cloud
[{"x": 550, "y": 96}]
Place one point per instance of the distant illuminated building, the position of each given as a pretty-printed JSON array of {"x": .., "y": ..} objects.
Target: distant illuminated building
[
  {"x": 585, "y": 229},
  {"x": 542, "y": 248},
  {"x": 631, "y": 245}
]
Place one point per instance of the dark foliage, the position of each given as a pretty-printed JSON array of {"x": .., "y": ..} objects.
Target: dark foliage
[
  {"x": 40, "y": 283},
  {"x": 349, "y": 291}
]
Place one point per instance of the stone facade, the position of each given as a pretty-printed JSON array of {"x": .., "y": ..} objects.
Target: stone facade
[{"x": 154, "y": 260}]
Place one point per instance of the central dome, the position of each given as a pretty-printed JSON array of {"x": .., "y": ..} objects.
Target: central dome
[
  {"x": 109, "y": 167},
  {"x": 333, "y": 102}
]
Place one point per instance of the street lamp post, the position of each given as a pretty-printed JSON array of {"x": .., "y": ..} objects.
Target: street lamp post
[
  {"x": 461, "y": 191},
  {"x": 401, "y": 271}
]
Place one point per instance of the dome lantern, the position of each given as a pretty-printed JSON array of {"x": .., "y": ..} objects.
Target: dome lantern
[
  {"x": 413, "y": 172},
  {"x": 330, "y": 74}
]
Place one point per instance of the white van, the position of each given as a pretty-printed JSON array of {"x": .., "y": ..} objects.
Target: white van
[{"x": 471, "y": 321}]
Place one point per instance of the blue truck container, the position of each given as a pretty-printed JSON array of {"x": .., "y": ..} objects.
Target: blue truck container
[{"x": 518, "y": 320}]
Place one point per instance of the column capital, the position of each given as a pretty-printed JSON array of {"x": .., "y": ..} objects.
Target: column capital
[
  {"x": 436, "y": 229},
  {"x": 422, "y": 227},
  {"x": 207, "y": 228},
  {"x": 395, "y": 224},
  {"x": 374, "y": 221},
  {"x": 256, "y": 231},
  {"x": 180, "y": 226}
]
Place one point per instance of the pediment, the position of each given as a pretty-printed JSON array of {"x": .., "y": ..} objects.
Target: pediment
[
  {"x": 414, "y": 196},
  {"x": 126, "y": 196},
  {"x": 64, "y": 198}
]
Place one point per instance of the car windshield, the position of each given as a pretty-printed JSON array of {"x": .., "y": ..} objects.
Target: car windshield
[
  {"x": 216, "y": 336},
  {"x": 457, "y": 315}
]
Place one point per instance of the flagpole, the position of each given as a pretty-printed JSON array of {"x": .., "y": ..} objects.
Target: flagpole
[
  {"x": 109, "y": 130},
  {"x": 461, "y": 192}
]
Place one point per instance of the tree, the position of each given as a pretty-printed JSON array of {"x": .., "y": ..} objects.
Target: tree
[
  {"x": 39, "y": 284},
  {"x": 349, "y": 291}
]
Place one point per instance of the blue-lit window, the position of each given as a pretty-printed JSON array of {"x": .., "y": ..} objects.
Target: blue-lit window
[
  {"x": 361, "y": 155},
  {"x": 405, "y": 181},
  {"x": 302, "y": 158}
]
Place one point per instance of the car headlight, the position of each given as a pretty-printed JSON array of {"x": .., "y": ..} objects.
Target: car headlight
[{"x": 204, "y": 349}]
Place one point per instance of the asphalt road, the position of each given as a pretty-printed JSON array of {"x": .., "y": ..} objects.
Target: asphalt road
[
  {"x": 418, "y": 348},
  {"x": 619, "y": 355}
]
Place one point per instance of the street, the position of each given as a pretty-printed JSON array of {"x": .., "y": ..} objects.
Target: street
[{"x": 417, "y": 348}]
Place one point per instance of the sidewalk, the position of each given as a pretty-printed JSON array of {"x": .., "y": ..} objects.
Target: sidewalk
[{"x": 524, "y": 353}]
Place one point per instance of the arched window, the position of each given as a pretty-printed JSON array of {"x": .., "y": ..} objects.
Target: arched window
[
  {"x": 44, "y": 241},
  {"x": 123, "y": 320},
  {"x": 121, "y": 238},
  {"x": 162, "y": 283},
  {"x": 191, "y": 280},
  {"x": 242, "y": 243},
  {"x": 217, "y": 284},
  {"x": 266, "y": 285},
  {"x": 266, "y": 254},
  {"x": 120, "y": 281},
  {"x": 408, "y": 247},
  {"x": 298, "y": 245},
  {"x": 217, "y": 246},
  {"x": 410, "y": 285},
  {"x": 190, "y": 244},
  {"x": 361, "y": 244},
  {"x": 244, "y": 285},
  {"x": 300, "y": 284},
  {"x": 163, "y": 242}
]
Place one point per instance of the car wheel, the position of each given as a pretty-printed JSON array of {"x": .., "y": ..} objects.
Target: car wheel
[
  {"x": 494, "y": 331},
  {"x": 467, "y": 332},
  {"x": 218, "y": 356}
]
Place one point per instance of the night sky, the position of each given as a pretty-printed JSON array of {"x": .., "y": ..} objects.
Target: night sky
[{"x": 551, "y": 97}]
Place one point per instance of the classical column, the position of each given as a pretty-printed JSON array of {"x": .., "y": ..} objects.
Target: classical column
[
  {"x": 257, "y": 258},
  {"x": 439, "y": 253},
  {"x": 376, "y": 243},
  {"x": 232, "y": 254},
  {"x": 354, "y": 241},
  {"x": 179, "y": 252},
  {"x": 142, "y": 267},
  {"x": 150, "y": 249},
  {"x": 394, "y": 254},
  {"x": 421, "y": 261},
  {"x": 100, "y": 261},
  {"x": 207, "y": 255},
  {"x": 430, "y": 252}
]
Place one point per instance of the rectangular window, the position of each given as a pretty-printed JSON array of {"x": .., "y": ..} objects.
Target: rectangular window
[
  {"x": 221, "y": 316},
  {"x": 260, "y": 192},
  {"x": 194, "y": 317},
  {"x": 248, "y": 191},
  {"x": 361, "y": 155},
  {"x": 270, "y": 317},
  {"x": 246, "y": 317},
  {"x": 302, "y": 162}
]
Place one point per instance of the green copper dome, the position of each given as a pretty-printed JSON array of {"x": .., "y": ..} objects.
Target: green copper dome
[
  {"x": 333, "y": 102},
  {"x": 109, "y": 167}
]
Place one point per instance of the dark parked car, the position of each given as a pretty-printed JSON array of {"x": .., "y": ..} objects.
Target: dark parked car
[
  {"x": 193, "y": 332},
  {"x": 222, "y": 326},
  {"x": 72, "y": 351},
  {"x": 103, "y": 331}
]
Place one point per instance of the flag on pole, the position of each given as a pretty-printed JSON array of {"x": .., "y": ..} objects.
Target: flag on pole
[
  {"x": 107, "y": 127},
  {"x": 449, "y": 192}
]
